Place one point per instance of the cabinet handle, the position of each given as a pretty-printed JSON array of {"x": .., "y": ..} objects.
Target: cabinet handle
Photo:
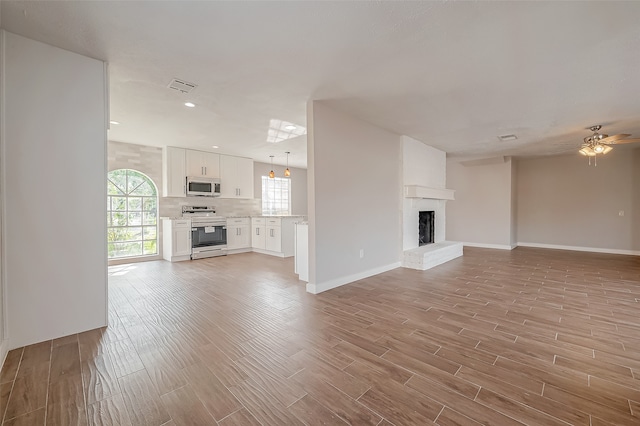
[
  {"x": 257, "y": 231},
  {"x": 205, "y": 170}
]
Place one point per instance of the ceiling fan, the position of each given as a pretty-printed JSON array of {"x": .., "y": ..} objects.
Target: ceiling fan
[{"x": 599, "y": 143}]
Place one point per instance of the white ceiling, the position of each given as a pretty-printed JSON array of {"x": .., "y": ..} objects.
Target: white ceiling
[{"x": 454, "y": 75}]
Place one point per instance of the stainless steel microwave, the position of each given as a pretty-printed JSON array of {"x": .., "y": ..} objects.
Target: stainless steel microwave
[{"x": 203, "y": 187}]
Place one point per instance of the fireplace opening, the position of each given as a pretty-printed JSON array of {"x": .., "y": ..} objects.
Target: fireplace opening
[{"x": 426, "y": 226}]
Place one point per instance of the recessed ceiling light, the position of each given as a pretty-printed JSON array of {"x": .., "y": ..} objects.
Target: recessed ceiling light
[
  {"x": 507, "y": 138},
  {"x": 114, "y": 122},
  {"x": 215, "y": 147},
  {"x": 189, "y": 104}
]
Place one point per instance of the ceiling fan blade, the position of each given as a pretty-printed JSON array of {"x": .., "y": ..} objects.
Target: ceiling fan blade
[
  {"x": 614, "y": 138},
  {"x": 636, "y": 140}
]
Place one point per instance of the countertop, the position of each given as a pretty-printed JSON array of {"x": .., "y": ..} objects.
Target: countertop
[{"x": 228, "y": 217}]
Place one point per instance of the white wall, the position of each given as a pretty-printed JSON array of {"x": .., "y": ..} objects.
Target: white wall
[
  {"x": 298, "y": 185},
  {"x": 54, "y": 161},
  {"x": 562, "y": 201},
  {"x": 482, "y": 212},
  {"x": 4, "y": 343},
  {"x": 422, "y": 164},
  {"x": 355, "y": 198}
]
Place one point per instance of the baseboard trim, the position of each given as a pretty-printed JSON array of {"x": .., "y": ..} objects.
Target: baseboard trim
[
  {"x": 490, "y": 246},
  {"x": 337, "y": 282},
  {"x": 268, "y": 252},
  {"x": 4, "y": 350},
  {"x": 578, "y": 248}
]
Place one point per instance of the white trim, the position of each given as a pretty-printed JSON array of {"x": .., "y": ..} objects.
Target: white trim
[
  {"x": 133, "y": 259},
  {"x": 4, "y": 350},
  {"x": 337, "y": 282},
  {"x": 417, "y": 191},
  {"x": 578, "y": 248},
  {"x": 269, "y": 252},
  {"x": 491, "y": 246}
]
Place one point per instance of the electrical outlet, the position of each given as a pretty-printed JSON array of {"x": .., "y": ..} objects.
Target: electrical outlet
[
  {"x": 621, "y": 213},
  {"x": 361, "y": 253}
]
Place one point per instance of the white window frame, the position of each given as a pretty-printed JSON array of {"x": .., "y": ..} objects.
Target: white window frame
[
  {"x": 112, "y": 210},
  {"x": 273, "y": 194}
]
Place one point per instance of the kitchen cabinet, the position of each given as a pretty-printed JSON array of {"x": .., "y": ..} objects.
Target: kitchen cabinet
[
  {"x": 173, "y": 172},
  {"x": 176, "y": 239},
  {"x": 238, "y": 234},
  {"x": 236, "y": 177},
  {"x": 258, "y": 232},
  {"x": 273, "y": 235},
  {"x": 202, "y": 164}
]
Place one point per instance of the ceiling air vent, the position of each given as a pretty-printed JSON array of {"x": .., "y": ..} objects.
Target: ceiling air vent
[
  {"x": 181, "y": 85},
  {"x": 505, "y": 138}
]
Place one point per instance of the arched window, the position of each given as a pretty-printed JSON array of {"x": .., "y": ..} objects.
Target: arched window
[{"x": 132, "y": 214}]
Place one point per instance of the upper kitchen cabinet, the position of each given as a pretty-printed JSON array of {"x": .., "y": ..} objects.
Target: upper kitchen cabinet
[
  {"x": 173, "y": 172},
  {"x": 236, "y": 177},
  {"x": 202, "y": 164}
]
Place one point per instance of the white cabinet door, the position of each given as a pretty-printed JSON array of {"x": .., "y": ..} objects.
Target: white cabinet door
[
  {"x": 258, "y": 233},
  {"x": 238, "y": 233},
  {"x": 173, "y": 172},
  {"x": 274, "y": 239},
  {"x": 176, "y": 239},
  {"x": 182, "y": 241},
  {"x": 202, "y": 164},
  {"x": 244, "y": 177},
  {"x": 236, "y": 176},
  {"x": 242, "y": 237}
]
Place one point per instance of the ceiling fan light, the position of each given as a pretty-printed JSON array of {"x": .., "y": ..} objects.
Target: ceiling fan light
[
  {"x": 598, "y": 149},
  {"x": 607, "y": 148},
  {"x": 586, "y": 150}
]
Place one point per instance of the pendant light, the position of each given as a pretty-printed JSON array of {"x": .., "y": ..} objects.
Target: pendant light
[
  {"x": 287, "y": 172},
  {"x": 271, "y": 173}
]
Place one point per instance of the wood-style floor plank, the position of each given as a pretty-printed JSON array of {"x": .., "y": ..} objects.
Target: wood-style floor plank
[{"x": 528, "y": 336}]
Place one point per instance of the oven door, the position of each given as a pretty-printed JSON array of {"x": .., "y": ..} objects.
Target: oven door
[{"x": 208, "y": 241}]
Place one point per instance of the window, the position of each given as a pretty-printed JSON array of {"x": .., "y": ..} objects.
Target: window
[
  {"x": 132, "y": 222},
  {"x": 276, "y": 198}
]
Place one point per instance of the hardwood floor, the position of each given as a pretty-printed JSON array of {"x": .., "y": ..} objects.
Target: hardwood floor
[{"x": 531, "y": 336}]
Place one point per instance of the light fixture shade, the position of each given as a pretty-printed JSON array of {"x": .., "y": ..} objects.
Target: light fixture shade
[
  {"x": 271, "y": 173},
  {"x": 607, "y": 148},
  {"x": 588, "y": 151},
  {"x": 287, "y": 172}
]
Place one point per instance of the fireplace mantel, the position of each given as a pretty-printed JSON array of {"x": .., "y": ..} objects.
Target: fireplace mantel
[{"x": 417, "y": 191}]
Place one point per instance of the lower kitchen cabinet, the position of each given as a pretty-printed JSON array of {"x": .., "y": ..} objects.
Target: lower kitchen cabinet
[
  {"x": 176, "y": 239},
  {"x": 273, "y": 235},
  {"x": 238, "y": 234},
  {"x": 274, "y": 238},
  {"x": 258, "y": 232}
]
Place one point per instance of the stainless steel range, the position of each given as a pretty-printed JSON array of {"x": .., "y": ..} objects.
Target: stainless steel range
[{"x": 208, "y": 232}]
